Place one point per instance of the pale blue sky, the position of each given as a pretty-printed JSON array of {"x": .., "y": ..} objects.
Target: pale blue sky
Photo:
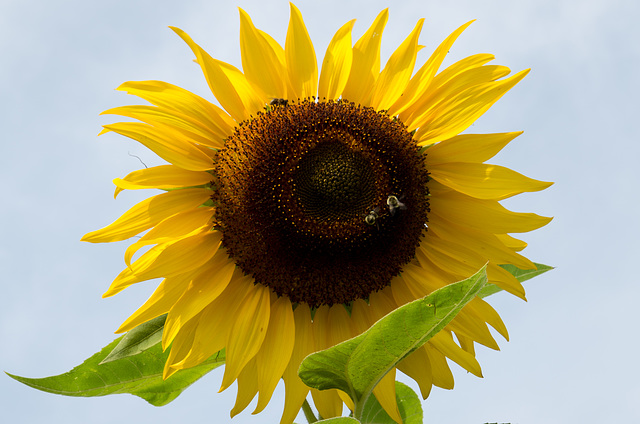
[{"x": 573, "y": 349}]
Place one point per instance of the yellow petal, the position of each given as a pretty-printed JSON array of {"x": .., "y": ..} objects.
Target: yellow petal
[
  {"x": 169, "y": 259},
  {"x": 247, "y": 333},
  {"x": 365, "y": 67},
  {"x": 148, "y": 213},
  {"x": 445, "y": 344},
  {"x": 488, "y": 215},
  {"x": 166, "y": 143},
  {"x": 184, "y": 103},
  {"x": 302, "y": 66},
  {"x": 396, "y": 74},
  {"x": 160, "y": 302},
  {"x": 200, "y": 293},
  {"x": 419, "y": 84},
  {"x": 336, "y": 65},
  {"x": 487, "y": 244},
  {"x": 247, "y": 387},
  {"x": 512, "y": 242},
  {"x": 443, "y": 84},
  {"x": 226, "y": 82},
  {"x": 213, "y": 330},
  {"x": 188, "y": 126},
  {"x": 260, "y": 62},
  {"x": 439, "y": 98},
  {"x": 274, "y": 355},
  {"x": 385, "y": 393},
  {"x": 162, "y": 177},
  {"x": 442, "y": 376},
  {"x": 468, "y": 148},
  {"x": 484, "y": 181},
  {"x": 295, "y": 390},
  {"x": 456, "y": 114},
  {"x": 181, "y": 347},
  {"x": 327, "y": 402},
  {"x": 176, "y": 226},
  {"x": 418, "y": 367}
]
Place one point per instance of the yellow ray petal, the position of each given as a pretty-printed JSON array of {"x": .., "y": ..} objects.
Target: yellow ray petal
[
  {"x": 178, "y": 100},
  {"x": 442, "y": 376},
  {"x": 454, "y": 91},
  {"x": 468, "y": 148},
  {"x": 226, "y": 82},
  {"x": 420, "y": 82},
  {"x": 295, "y": 390},
  {"x": 169, "y": 259},
  {"x": 274, "y": 355},
  {"x": 457, "y": 114},
  {"x": 396, "y": 74},
  {"x": 260, "y": 62},
  {"x": 435, "y": 93},
  {"x": 385, "y": 393},
  {"x": 445, "y": 344},
  {"x": 484, "y": 181},
  {"x": 336, "y": 65},
  {"x": 181, "y": 347},
  {"x": 365, "y": 66},
  {"x": 148, "y": 213},
  {"x": 162, "y": 177},
  {"x": 247, "y": 333},
  {"x": 166, "y": 143},
  {"x": 488, "y": 215},
  {"x": 200, "y": 293},
  {"x": 490, "y": 315},
  {"x": 302, "y": 66},
  {"x": 485, "y": 243},
  {"x": 418, "y": 367},
  {"x": 511, "y": 242},
  {"x": 190, "y": 127},
  {"x": 213, "y": 331},
  {"x": 160, "y": 302},
  {"x": 327, "y": 402},
  {"x": 247, "y": 387},
  {"x": 175, "y": 227},
  {"x": 453, "y": 256}
]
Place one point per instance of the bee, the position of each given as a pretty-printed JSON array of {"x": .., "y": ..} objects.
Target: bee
[
  {"x": 372, "y": 217},
  {"x": 279, "y": 102},
  {"x": 394, "y": 204}
]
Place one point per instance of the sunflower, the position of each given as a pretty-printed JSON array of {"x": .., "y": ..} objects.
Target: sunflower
[{"x": 304, "y": 209}]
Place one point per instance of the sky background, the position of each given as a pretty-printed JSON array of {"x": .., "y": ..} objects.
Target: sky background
[{"x": 573, "y": 351}]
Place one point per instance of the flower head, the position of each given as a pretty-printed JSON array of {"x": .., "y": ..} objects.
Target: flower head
[{"x": 306, "y": 208}]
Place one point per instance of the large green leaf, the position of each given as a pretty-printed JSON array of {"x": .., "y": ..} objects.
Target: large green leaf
[
  {"x": 138, "y": 340},
  {"x": 357, "y": 365},
  {"x": 520, "y": 274},
  {"x": 140, "y": 375},
  {"x": 339, "y": 420},
  {"x": 408, "y": 403}
]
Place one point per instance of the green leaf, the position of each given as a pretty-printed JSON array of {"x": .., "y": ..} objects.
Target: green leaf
[
  {"x": 140, "y": 375},
  {"x": 339, "y": 420},
  {"x": 520, "y": 274},
  {"x": 138, "y": 340},
  {"x": 355, "y": 366},
  {"x": 408, "y": 403}
]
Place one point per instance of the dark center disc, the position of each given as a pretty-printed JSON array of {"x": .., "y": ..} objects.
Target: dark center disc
[{"x": 302, "y": 200}]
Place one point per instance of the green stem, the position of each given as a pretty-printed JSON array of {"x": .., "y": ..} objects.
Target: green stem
[{"x": 308, "y": 413}]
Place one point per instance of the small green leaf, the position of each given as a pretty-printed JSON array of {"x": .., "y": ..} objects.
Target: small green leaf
[
  {"x": 140, "y": 375},
  {"x": 408, "y": 403},
  {"x": 138, "y": 340},
  {"x": 357, "y": 365},
  {"x": 520, "y": 274},
  {"x": 339, "y": 420}
]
